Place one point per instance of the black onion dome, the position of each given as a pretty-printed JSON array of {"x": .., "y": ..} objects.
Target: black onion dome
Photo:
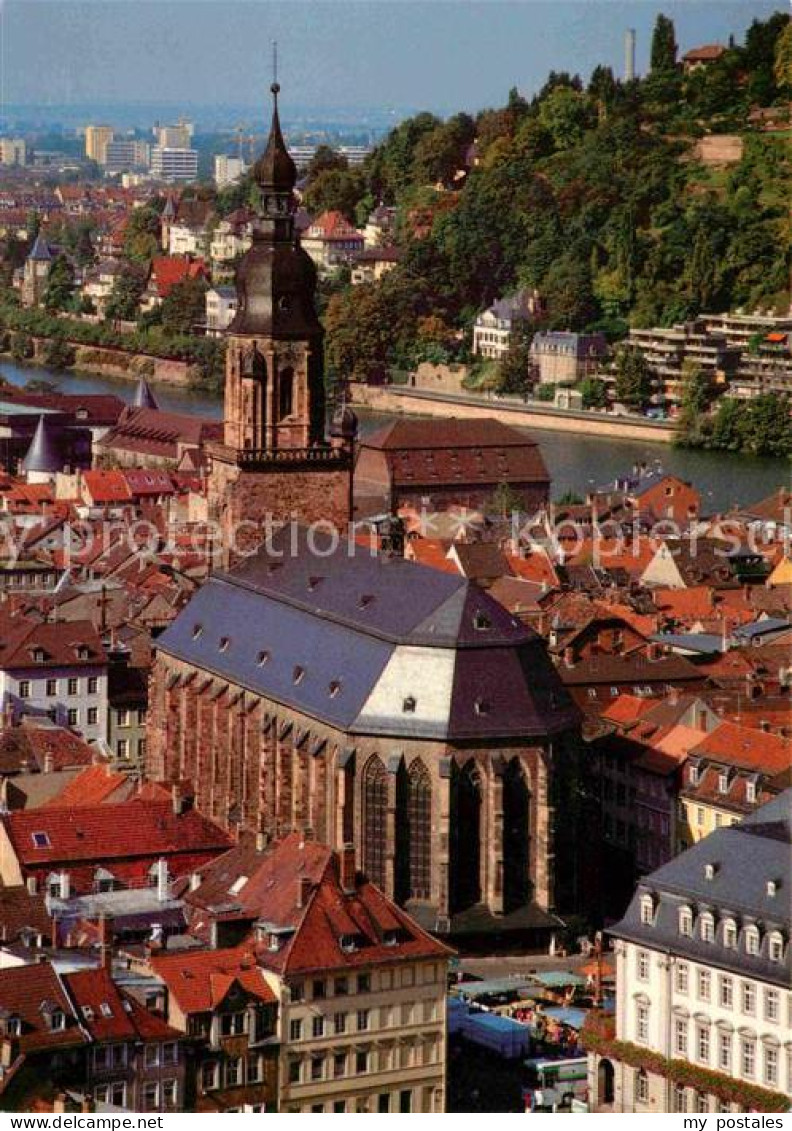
[
  {"x": 275, "y": 285},
  {"x": 275, "y": 170}
]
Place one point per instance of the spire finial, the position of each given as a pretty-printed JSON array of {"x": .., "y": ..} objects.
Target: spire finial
[{"x": 275, "y": 87}]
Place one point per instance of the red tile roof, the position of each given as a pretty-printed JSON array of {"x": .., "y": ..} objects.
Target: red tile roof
[
  {"x": 64, "y": 644},
  {"x": 27, "y": 992},
  {"x": 200, "y": 981},
  {"x": 750, "y": 749},
  {"x": 627, "y": 709},
  {"x": 168, "y": 270},
  {"x": 92, "y": 786},
  {"x": 106, "y": 487},
  {"x": 110, "y": 1016}
]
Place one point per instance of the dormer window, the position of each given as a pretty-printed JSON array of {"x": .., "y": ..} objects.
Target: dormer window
[
  {"x": 39, "y": 655},
  {"x": 647, "y": 910},
  {"x": 481, "y": 707},
  {"x": 334, "y": 688},
  {"x": 710, "y": 871},
  {"x": 14, "y": 1026},
  {"x": 298, "y": 674},
  {"x": 408, "y": 705},
  {"x": 390, "y": 938},
  {"x": 41, "y": 840},
  {"x": 723, "y": 782},
  {"x": 224, "y": 643},
  {"x": 730, "y": 934},
  {"x": 775, "y": 947},
  {"x": 347, "y": 943},
  {"x": 694, "y": 775},
  {"x": 685, "y": 922},
  {"x": 750, "y": 792},
  {"x": 481, "y": 622},
  {"x": 707, "y": 928},
  {"x": 83, "y": 653},
  {"x": 262, "y": 658},
  {"x": 197, "y": 631},
  {"x": 772, "y": 888},
  {"x": 751, "y": 940}
]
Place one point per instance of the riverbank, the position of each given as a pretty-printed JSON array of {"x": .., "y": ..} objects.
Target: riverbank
[
  {"x": 107, "y": 361},
  {"x": 398, "y": 400}
]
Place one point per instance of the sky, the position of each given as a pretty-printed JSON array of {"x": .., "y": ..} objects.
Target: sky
[{"x": 436, "y": 54}]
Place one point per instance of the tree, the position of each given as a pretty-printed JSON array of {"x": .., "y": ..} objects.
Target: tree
[
  {"x": 127, "y": 291},
  {"x": 142, "y": 234},
  {"x": 506, "y": 501},
  {"x": 701, "y": 271},
  {"x": 335, "y": 190},
  {"x": 766, "y": 430},
  {"x": 516, "y": 367},
  {"x": 663, "y": 56},
  {"x": 695, "y": 399},
  {"x": 59, "y": 292},
  {"x": 633, "y": 377},
  {"x": 594, "y": 392},
  {"x": 782, "y": 65},
  {"x": 326, "y": 160},
  {"x": 184, "y": 306}
]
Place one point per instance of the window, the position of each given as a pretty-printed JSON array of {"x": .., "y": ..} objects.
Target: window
[
  {"x": 383, "y": 1102},
  {"x": 339, "y": 1022},
  {"x": 122, "y": 717},
  {"x": 775, "y": 947},
  {"x": 122, "y": 748},
  {"x": 72, "y": 686},
  {"x": 707, "y": 928},
  {"x": 647, "y": 910},
  {"x": 93, "y": 685},
  {"x": 295, "y": 1029},
  {"x": 341, "y": 987},
  {"x": 680, "y": 1037},
  {"x": 642, "y": 1022},
  {"x": 170, "y": 1053},
  {"x": 682, "y": 977},
  {"x": 294, "y": 1070},
  {"x": 679, "y": 1098},
  {"x": 318, "y": 1026},
  {"x": 723, "y": 783},
  {"x": 318, "y": 989},
  {"x": 750, "y": 792},
  {"x": 751, "y": 940},
  {"x": 702, "y": 1044},
  {"x": 317, "y": 1067},
  {"x": 730, "y": 934},
  {"x": 771, "y": 1005},
  {"x": 298, "y": 991},
  {"x": 170, "y": 1094},
  {"x": 52, "y": 687},
  {"x": 362, "y": 1019},
  {"x": 702, "y": 1101},
  {"x": 685, "y": 921},
  {"x": 361, "y": 1063},
  {"x": 73, "y": 716},
  {"x": 726, "y": 991},
  {"x": 93, "y": 716},
  {"x": 233, "y": 1073},
  {"x": 642, "y": 965},
  {"x": 150, "y": 1095},
  {"x": 339, "y": 1064},
  {"x": 748, "y": 1058},
  {"x": 151, "y": 1056},
  {"x": 24, "y": 689},
  {"x": 749, "y": 998},
  {"x": 232, "y": 1024},
  {"x": 724, "y": 1052},
  {"x": 704, "y": 985},
  {"x": 364, "y": 983},
  {"x": 770, "y": 1065},
  {"x": 254, "y": 1069},
  {"x": 641, "y": 1087},
  {"x": 405, "y": 1101},
  {"x": 209, "y": 1075}
]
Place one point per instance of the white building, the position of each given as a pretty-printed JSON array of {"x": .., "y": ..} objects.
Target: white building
[
  {"x": 174, "y": 164},
  {"x": 58, "y": 670},
  {"x": 494, "y": 328},
  {"x": 704, "y": 979},
  {"x": 228, "y": 169},
  {"x": 221, "y": 306},
  {"x": 13, "y": 151}
]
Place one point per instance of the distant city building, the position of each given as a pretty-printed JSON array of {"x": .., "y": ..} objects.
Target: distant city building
[
  {"x": 124, "y": 154},
  {"x": 174, "y": 137},
  {"x": 562, "y": 357},
  {"x": 493, "y": 330},
  {"x": 13, "y": 151},
  {"x": 97, "y": 139},
  {"x": 302, "y": 155},
  {"x": 228, "y": 169},
  {"x": 702, "y": 979},
  {"x": 174, "y": 164}
]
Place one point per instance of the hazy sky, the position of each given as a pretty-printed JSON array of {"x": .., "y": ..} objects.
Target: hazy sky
[{"x": 439, "y": 54}]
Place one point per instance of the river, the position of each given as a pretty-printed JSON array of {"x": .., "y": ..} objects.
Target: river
[{"x": 575, "y": 461}]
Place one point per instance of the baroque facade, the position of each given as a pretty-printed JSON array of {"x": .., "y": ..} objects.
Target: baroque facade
[{"x": 371, "y": 701}]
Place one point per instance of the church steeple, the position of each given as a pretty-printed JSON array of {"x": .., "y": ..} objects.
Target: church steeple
[{"x": 275, "y": 172}]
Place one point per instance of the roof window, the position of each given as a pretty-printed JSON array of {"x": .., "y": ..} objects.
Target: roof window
[{"x": 41, "y": 840}]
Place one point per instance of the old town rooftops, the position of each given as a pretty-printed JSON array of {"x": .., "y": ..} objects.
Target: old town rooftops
[{"x": 372, "y": 646}]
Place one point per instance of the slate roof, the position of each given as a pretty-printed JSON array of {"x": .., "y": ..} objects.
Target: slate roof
[
  {"x": 746, "y": 857},
  {"x": 144, "y": 398},
  {"x": 41, "y": 250},
  {"x": 43, "y": 454},
  {"x": 370, "y": 645}
]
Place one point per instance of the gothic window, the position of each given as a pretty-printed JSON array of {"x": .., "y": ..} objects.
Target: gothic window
[
  {"x": 516, "y": 845},
  {"x": 414, "y": 832},
  {"x": 375, "y": 811},
  {"x": 465, "y": 882},
  {"x": 285, "y": 393}
]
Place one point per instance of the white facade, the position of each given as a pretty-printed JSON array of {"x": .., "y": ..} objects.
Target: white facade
[
  {"x": 171, "y": 164},
  {"x": 13, "y": 151},
  {"x": 74, "y": 696},
  {"x": 221, "y": 306},
  {"x": 491, "y": 335},
  {"x": 184, "y": 240},
  {"x": 228, "y": 169}
]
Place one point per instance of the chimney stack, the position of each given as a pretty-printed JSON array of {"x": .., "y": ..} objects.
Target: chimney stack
[
  {"x": 105, "y": 944},
  {"x": 348, "y": 868}
]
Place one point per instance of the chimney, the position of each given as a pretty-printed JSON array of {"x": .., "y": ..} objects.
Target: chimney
[
  {"x": 105, "y": 944},
  {"x": 304, "y": 891},
  {"x": 348, "y": 869},
  {"x": 176, "y": 799},
  {"x": 65, "y": 885},
  {"x": 162, "y": 880},
  {"x": 261, "y": 841},
  {"x": 49, "y": 762},
  {"x": 195, "y": 881}
]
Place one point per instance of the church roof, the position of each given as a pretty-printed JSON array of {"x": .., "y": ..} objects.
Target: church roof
[
  {"x": 43, "y": 454},
  {"x": 41, "y": 250},
  {"x": 275, "y": 168},
  {"x": 144, "y": 398},
  {"x": 371, "y": 645}
]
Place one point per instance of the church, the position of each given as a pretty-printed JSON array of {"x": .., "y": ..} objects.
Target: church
[
  {"x": 273, "y": 460},
  {"x": 344, "y": 692}
]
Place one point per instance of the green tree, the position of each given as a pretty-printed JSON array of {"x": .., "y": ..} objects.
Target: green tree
[
  {"x": 663, "y": 55},
  {"x": 128, "y": 287},
  {"x": 516, "y": 368},
  {"x": 506, "y": 501},
  {"x": 59, "y": 292},
  {"x": 701, "y": 271},
  {"x": 325, "y": 160},
  {"x": 782, "y": 64},
  {"x": 633, "y": 378},
  {"x": 594, "y": 392},
  {"x": 184, "y": 306},
  {"x": 142, "y": 234},
  {"x": 335, "y": 190}
]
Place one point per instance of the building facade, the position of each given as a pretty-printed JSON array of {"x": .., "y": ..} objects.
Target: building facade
[
  {"x": 703, "y": 1001},
  {"x": 174, "y": 164}
]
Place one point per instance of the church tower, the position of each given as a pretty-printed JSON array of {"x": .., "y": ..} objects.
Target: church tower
[{"x": 275, "y": 460}]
